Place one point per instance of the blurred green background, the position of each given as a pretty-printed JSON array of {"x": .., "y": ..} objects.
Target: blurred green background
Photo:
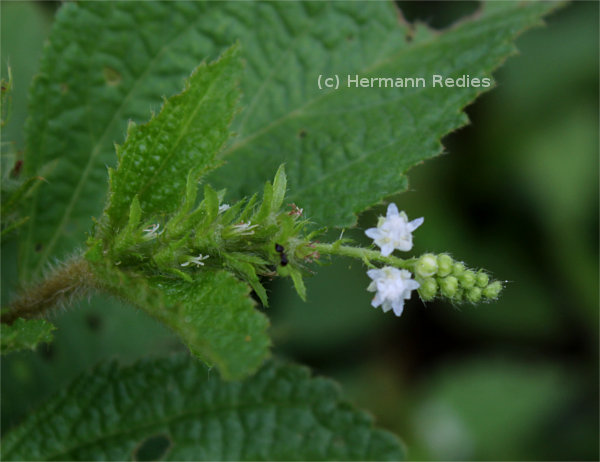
[{"x": 516, "y": 192}]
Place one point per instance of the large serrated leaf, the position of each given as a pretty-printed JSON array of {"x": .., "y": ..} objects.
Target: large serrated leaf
[
  {"x": 346, "y": 149},
  {"x": 25, "y": 334},
  {"x": 182, "y": 140},
  {"x": 214, "y": 315},
  {"x": 111, "y": 62},
  {"x": 279, "y": 414}
]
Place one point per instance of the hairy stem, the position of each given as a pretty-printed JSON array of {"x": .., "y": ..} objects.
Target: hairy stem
[
  {"x": 365, "y": 255},
  {"x": 62, "y": 286}
]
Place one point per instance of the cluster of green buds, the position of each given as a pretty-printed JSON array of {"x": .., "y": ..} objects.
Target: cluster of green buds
[
  {"x": 442, "y": 276},
  {"x": 250, "y": 238}
]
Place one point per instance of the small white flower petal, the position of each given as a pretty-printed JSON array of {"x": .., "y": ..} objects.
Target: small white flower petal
[
  {"x": 387, "y": 249},
  {"x": 398, "y": 307},
  {"x": 373, "y": 233},
  {"x": 392, "y": 210},
  {"x": 198, "y": 261},
  {"x": 415, "y": 224},
  {"x": 387, "y": 306},
  {"x": 151, "y": 231}
]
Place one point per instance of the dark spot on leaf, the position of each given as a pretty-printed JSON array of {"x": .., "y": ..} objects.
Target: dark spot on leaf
[
  {"x": 409, "y": 36},
  {"x": 284, "y": 259},
  {"x": 112, "y": 77},
  {"x": 94, "y": 322},
  {"x": 302, "y": 133},
  {"x": 278, "y": 248},
  {"x": 47, "y": 351},
  {"x": 16, "y": 169},
  {"x": 38, "y": 247},
  {"x": 350, "y": 37},
  {"x": 152, "y": 448}
]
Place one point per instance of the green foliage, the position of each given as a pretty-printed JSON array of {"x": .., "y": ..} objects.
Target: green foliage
[
  {"x": 369, "y": 135},
  {"x": 531, "y": 125},
  {"x": 175, "y": 409},
  {"x": 91, "y": 85},
  {"x": 6, "y": 97},
  {"x": 180, "y": 143},
  {"x": 177, "y": 275},
  {"x": 24, "y": 334},
  {"x": 212, "y": 314}
]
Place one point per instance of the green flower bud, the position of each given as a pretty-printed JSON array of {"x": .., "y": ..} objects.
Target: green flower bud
[
  {"x": 426, "y": 266},
  {"x": 459, "y": 295},
  {"x": 428, "y": 289},
  {"x": 467, "y": 279},
  {"x": 448, "y": 286},
  {"x": 474, "y": 294},
  {"x": 458, "y": 269},
  {"x": 493, "y": 290},
  {"x": 444, "y": 262},
  {"x": 482, "y": 279}
]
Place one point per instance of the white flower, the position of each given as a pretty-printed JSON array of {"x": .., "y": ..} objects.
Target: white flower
[
  {"x": 394, "y": 231},
  {"x": 198, "y": 261},
  {"x": 151, "y": 231},
  {"x": 244, "y": 228},
  {"x": 393, "y": 286},
  {"x": 223, "y": 207}
]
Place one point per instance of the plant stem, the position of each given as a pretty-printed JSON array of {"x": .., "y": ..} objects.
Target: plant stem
[
  {"x": 365, "y": 255},
  {"x": 62, "y": 286}
]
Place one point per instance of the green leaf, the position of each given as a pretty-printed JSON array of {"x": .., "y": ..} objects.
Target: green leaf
[
  {"x": 175, "y": 409},
  {"x": 180, "y": 143},
  {"x": 108, "y": 63},
  {"x": 347, "y": 149},
  {"x": 105, "y": 64},
  {"x": 213, "y": 315},
  {"x": 24, "y": 334}
]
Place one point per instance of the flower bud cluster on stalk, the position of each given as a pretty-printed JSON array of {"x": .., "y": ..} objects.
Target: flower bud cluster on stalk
[
  {"x": 435, "y": 275},
  {"x": 262, "y": 238},
  {"x": 441, "y": 276}
]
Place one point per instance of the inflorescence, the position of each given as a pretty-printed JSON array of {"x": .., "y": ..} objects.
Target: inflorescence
[
  {"x": 261, "y": 238},
  {"x": 435, "y": 275}
]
